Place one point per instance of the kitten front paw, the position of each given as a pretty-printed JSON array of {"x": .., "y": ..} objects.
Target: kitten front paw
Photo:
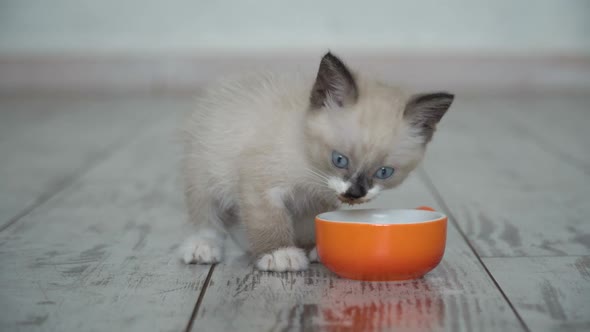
[
  {"x": 284, "y": 259},
  {"x": 200, "y": 251},
  {"x": 313, "y": 255}
]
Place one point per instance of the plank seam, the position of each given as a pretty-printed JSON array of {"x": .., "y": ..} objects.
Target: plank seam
[
  {"x": 548, "y": 147},
  {"x": 536, "y": 256},
  {"x": 71, "y": 179},
  {"x": 191, "y": 320},
  {"x": 439, "y": 199}
]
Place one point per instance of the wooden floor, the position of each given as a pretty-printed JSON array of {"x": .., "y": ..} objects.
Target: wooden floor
[{"x": 91, "y": 215}]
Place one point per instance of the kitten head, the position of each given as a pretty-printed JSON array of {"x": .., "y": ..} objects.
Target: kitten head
[{"x": 364, "y": 136}]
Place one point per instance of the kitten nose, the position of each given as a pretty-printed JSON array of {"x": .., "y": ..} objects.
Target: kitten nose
[
  {"x": 358, "y": 188},
  {"x": 355, "y": 192}
]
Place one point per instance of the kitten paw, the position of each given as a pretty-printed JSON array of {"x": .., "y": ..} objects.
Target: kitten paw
[
  {"x": 313, "y": 255},
  {"x": 284, "y": 259},
  {"x": 200, "y": 251}
]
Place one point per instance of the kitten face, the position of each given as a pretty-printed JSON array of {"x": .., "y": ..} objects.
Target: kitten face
[
  {"x": 373, "y": 139},
  {"x": 363, "y": 136}
]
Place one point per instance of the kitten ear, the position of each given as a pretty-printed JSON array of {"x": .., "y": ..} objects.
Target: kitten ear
[
  {"x": 334, "y": 84},
  {"x": 424, "y": 111}
]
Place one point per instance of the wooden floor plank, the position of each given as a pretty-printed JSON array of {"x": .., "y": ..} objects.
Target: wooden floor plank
[
  {"x": 45, "y": 143},
  {"x": 25, "y": 114},
  {"x": 101, "y": 255},
  {"x": 550, "y": 293},
  {"x": 510, "y": 196},
  {"x": 559, "y": 125},
  {"x": 457, "y": 296}
]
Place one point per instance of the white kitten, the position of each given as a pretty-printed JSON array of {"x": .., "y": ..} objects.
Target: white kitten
[{"x": 265, "y": 154}]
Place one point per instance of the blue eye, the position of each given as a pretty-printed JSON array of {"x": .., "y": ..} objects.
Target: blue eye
[
  {"x": 339, "y": 160},
  {"x": 384, "y": 172}
]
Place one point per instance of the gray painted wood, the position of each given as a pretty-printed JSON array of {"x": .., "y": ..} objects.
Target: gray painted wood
[
  {"x": 557, "y": 124},
  {"x": 457, "y": 296},
  {"x": 47, "y": 142},
  {"x": 550, "y": 293},
  {"x": 510, "y": 196},
  {"x": 101, "y": 255}
]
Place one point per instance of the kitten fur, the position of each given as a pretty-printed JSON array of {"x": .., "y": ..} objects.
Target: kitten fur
[{"x": 258, "y": 162}]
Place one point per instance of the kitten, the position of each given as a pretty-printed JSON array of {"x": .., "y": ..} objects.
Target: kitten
[{"x": 265, "y": 154}]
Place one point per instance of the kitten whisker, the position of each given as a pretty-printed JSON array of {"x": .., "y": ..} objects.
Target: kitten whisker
[
  {"x": 318, "y": 174},
  {"x": 320, "y": 184}
]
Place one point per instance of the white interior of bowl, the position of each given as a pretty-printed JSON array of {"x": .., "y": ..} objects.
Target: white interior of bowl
[{"x": 382, "y": 216}]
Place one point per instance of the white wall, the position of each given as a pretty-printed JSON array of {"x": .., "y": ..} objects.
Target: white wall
[
  {"x": 250, "y": 26},
  {"x": 69, "y": 46}
]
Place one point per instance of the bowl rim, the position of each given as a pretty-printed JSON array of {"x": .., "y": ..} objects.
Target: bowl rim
[{"x": 435, "y": 216}]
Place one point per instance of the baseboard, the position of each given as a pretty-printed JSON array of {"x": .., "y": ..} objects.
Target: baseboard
[{"x": 120, "y": 74}]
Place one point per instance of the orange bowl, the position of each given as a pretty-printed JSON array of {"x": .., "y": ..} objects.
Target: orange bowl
[{"x": 381, "y": 244}]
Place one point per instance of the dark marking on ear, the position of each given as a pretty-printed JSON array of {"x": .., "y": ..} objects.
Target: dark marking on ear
[
  {"x": 424, "y": 111},
  {"x": 333, "y": 81}
]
